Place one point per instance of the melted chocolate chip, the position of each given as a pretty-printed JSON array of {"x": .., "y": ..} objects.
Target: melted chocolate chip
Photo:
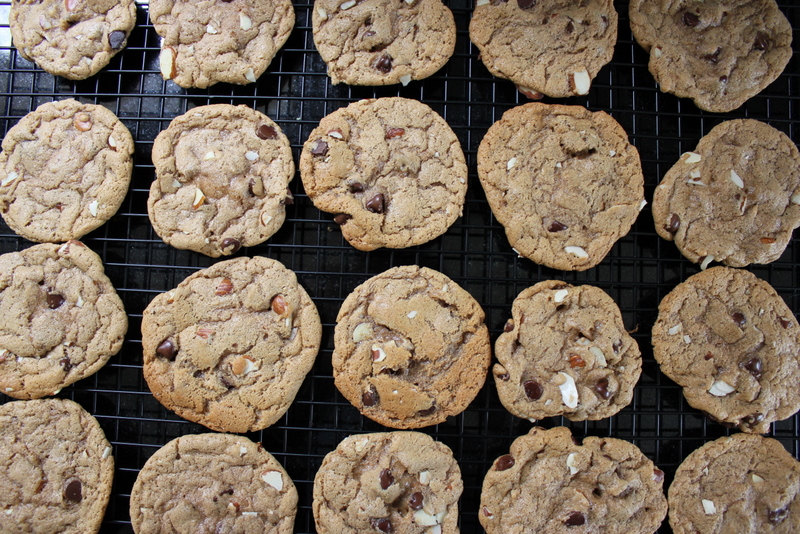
[
  {"x": 713, "y": 58},
  {"x": 556, "y": 226},
  {"x": 575, "y": 519},
  {"x": 167, "y": 350},
  {"x": 674, "y": 223},
  {"x": 387, "y": 479},
  {"x": 509, "y": 326},
  {"x": 384, "y": 63},
  {"x": 723, "y": 78},
  {"x": 72, "y": 492},
  {"x": 356, "y": 188},
  {"x": 427, "y": 411},
  {"x": 761, "y": 42},
  {"x": 265, "y": 131},
  {"x": 320, "y": 148},
  {"x": 777, "y": 516},
  {"x": 570, "y": 27},
  {"x": 370, "y": 397},
  {"x": 117, "y": 38},
  {"x": 752, "y": 420},
  {"x": 415, "y": 501},
  {"x": 739, "y": 319},
  {"x": 341, "y": 218},
  {"x": 54, "y": 300},
  {"x": 708, "y": 356},
  {"x": 533, "y": 389},
  {"x": 602, "y": 388},
  {"x": 384, "y": 525},
  {"x": 376, "y": 204},
  {"x": 66, "y": 364},
  {"x": 754, "y": 366},
  {"x": 230, "y": 243},
  {"x": 289, "y": 200},
  {"x": 526, "y": 4},
  {"x": 658, "y": 475},
  {"x": 504, "y": 462},
  {"x": 690, "y": 19},
  {"x": 228, "y": 491}
]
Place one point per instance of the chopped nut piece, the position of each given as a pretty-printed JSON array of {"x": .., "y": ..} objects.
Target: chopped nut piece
[
  {"x": 687, "y": 339},
  {"x": 691, "y": 157},
  {"x": 527, "y": 91},
  {"x": 421, "y": 517},
  {"x": 560, "y": 295},
  {"x": 112, "y": 142},
  {"x": 251, "y": 155},
  {"x": 767, "y": 240},
  {"x": 378, "y": 354},
  {"x": 736, "y": 179},
  {"x": 336, "y": 134},
  {"x": 577, "y": 251},
  {"x": 708, "y": 507},
  {"x": 244, "y": 22},
  {"x": 706, "y": 261},
  {"x": 412, "y": 314},
  {"x": 243, "y": 365},
  {"x": 581, "y": 82},
  {"x": 657, "y": 52},
  {"x": 571, "y": 463},
  {"x": 322, "y": 13},
  {"x": 266, "y": 218},
  {"x": 347, "y": 5},
  {"x": 199, "y": 198},
  {"x": 599, "y": 357},
  {"x": 280, "y": 306},
  {"x": 167, "y": 62},
  {"x": 204, "y": 332},
  {"x": 394, "y": 132},
  {"x": 721, "y": 388},
  {"x": 569, "y": 393},
  {"x": 82, "y": 122},
  {"x": 250, "y": 75},
  {"x": 424, "y": 477},
  {"x": 576, "y": 361},
  {"x": 9, "y": 178},
  {"x": 795, "y": 199},
  {"x": 224, "y": 287},
  {"x": 756, "y": 478},
  {"x": 93, "y": 208},
  {"x": 274, "y": 479},
  {"x": 210, "y": 155},
  {"x": 211, "y": 29},
  {"x": 511, "y": 163},
  {"x": 482, "y": 3},
  {"x": 405, "y": 79},
  {"x": 362, "y": 332}
]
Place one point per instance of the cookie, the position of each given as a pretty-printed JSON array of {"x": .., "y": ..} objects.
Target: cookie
[
  {"x": 71, "y": 38},
  {"x": 410, "y": 348},
  {"x": 735, "y": 199},
  {"x": 56, "y": 468},
  {"x": 740, "y": 483},
  {"x": 65, "y": 169},
  {"x": 60, "y": 318},
  {"x": 564, "y": 182},
  {"x": 204, "y": 43},
  {"x": 565, "y": 352},
  {"x": 730, "y": 341},
  {"x": 545, "y": 48},
  {"x": 391, "y": 170},
  {"x": 230, "y": 346},
  {"x": 207, "y": 483},
  {"x": 550, "y": 483},
  {"x": 222, "y": 176},
  {"x": 719, "y": 53},
  {"x": 383, "y": 42},
  {"x": 401, "y": 482}
]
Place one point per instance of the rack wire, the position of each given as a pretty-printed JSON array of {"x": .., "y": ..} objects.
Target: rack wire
[{"x": 296, "y": 92}]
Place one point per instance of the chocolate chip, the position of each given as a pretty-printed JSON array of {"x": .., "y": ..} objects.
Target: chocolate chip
[
  {"x": 228, "y": 491},
  {"x": 384, "y": 63},
  {"x": 289, "y": 200},
  {"x": 674, "y": 223},
  {"x": 66, "y": 364},
  {"x": 575, "y": 519},
  {"x": 384, "y": 525},
  {"x": 785, "y": 322},
  {"x": 526, "y": 4},
  {"x": 394, "y": 132},
  {"x": 509, "y": 326},
  {"x": 386, "y": 479},
  {"x": 556, "y": 226},
  {"x": 777, "y": 516},
  {"x": 427, "y": 411},
  {"x": 504, "y": 462},
  {"x": 265, "y": 131},
  {"x": 713, "y": 58},
  {"x": 533, "y": 389},
  {"x": 415, "y": 501},
  {"x": 370, "y": 397},
  {"x": 341, "y": 218},
  {"x": 320, "y": 148},
  {"x": 708, "y": 356},
  {"x": 602, "y": 388},
  {"x": 761, "y": 42},
  {"x": 658, "y": 475},
  {"x": 752, "y": 419},
  {"x": 690, "y": 19},
  {"x": 72, "y": 492},
  {"x": 723, "y": 79},
  {"x": 117, "y": 38},
  {"x": 376, "y": 204},
  {"x": 753, "y": 365},
  {"x": 739, "y": 319},
  {"x": 356, "y": 188},
  {"x": 570, "y": 27},
  {"x": 167, "y": 350},
  {"x": 230, "y": 243},
  {"x": 54, "y": 300}
]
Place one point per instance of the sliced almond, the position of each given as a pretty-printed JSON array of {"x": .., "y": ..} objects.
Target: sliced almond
[
  {"x": 280, "y": 306},
  {"x": 336, "y": 134},
  {"x": 412, "y": 314},
  {"x": 10, "y": 177},
  {"x": 691, "y": 157},
  {"x": 581, "y": 82},
  {"x": 167, "y": 62},
  {"x": 266, "y": 218},
  {"x": 250, "y": 75},
  {"x": 211, "y": 29},
  {"x": 482, "y": 3},
  {"x": 720, "y": 388},
  {"x": 756, "y": 478},
  {"x": 674, "y": 329},
  {"x": 106, "y": 453},
  {"x": 93, "y": 208},
  {"x": 211, "y": 154},
  {"x": 244, "y": 22},
  {"x": 708, "y": 507},
  {"x": 82, "y": 122},
  {"x": 274, "y": 479},
  {"x": 706, "y": 261},
  {"x": 112, "y": 142},
  {"x": 795, "y": 199},
  {"x": 576, "y": 251},
  {"x": 322, "y": 13},
  {"x": 362, "y": 332},
  {"x": 560, "y": 295},
  {"x": 424, "y": 477},
  {"x": 347, "y": 5},
  {"x": 569, "y": 393},
  {"x": 251, "y": 155},
  {"x": 599, "y": 357},
  {"x": 571, "y": 463},
  {"x": 510, "y": 164},
  {"x": 657, "y": 52},
  {"x": 423, "y": 518},
  {"x": 199, "y": 198},
  {"x": 405, "y": 79},
  {"x": 736, "y": 179},
  {"x": 687, "y": 339}
]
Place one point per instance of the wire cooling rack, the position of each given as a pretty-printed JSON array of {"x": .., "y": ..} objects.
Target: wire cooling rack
[{"x": 296, "y": 92}]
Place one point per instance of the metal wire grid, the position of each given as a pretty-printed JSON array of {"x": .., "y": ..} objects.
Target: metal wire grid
[{"x": 296, "y": 93}]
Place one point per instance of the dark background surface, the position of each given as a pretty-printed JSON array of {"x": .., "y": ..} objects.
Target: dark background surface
[{"x": 296, "y": 92}]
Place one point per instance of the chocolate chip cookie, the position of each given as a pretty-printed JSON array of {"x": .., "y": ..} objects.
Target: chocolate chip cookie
[
  {"x": 64, "y": 171},
  {"x": 564, "y": 182},
  {"x": 565, "y": 352},
  {"x": 730, "y": 341},
  {"x": 207, "y": 483},
  {"x": 391, "y": 170},
  {"x": 232, "y": 41},
  {"x": 553, "y": 48},
  {"x": 222, "y": 174},
  {"x": 719, "y": 53},
  {"x": 410, "y": 348},
  {"x": 230, "y": 346},
  {"x": 401, "y": 482},
  {"x": 56, "y": 468},
  {"x": 71, "y": 38},
  {"x": 550, "y": 483},
  {"x": 383, "y": 42},
  {"x": 60, "y": 318},
  {"x": 735, "y": 199}
]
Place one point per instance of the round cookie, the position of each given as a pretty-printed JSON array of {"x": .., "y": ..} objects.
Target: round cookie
[
  {"x": 730, "y": 341},
  {"x": 391, "y": 170},
  {"x": 564, "y": 182},
  {"x": 565, "y": 352},
  {"x": 60, "y": 318},
  {"x": 208, "y": 42},
  {"x": 65, "y": 170},
  {"x": 735, "y": 199},
  {"x": 719, "y": 53},
  {"x": 383, "y": 42},
  {"x": 230, "y": 346},
  {"x": 741, "y": 483},
  {"x": 208, "y": 483},
  {"x": 222, "y": 174},
  {"x": 550, "y": 483},
  {"x": 71, "y": 38},
  {"x": 56, "y": 468},
  {"x": 553, "y": 48},
  {"x": 400, "y": 482},
  {"x": 410, "y": 348}
]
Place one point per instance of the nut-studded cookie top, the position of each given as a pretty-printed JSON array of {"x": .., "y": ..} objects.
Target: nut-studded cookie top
[
  {"x": 550, "y": 483},
  {"x": 64, "y": 171},
  {"x": 383, "y": 42},
  {"x": 741, "y": 483},
  {"x": 564, "y": 182},
  {"x": 230, "y": 346},
  {"x": 730, "y": 340},
  {"x": 221, "y": 182},
  {"x": 210, "y": 483},
  {"x": 401, "y": 482},
  {"x": 719, "y": 53},
  {"x": 411, "y": 348},
  {"x": 565, "y": 352},
  {"x": 552, "y": 48},
  {"x": 56, "y": 468},
  {"x": 734, "y": 199},
  {"x": 391, "y": 170},
  {"x": 60, "y": 318},
  {"x": 232, "y": 41},
  {"x": 71, "y": 38}
]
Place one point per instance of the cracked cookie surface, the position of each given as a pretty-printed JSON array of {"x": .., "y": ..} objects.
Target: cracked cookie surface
[
  {"x": 60, "y": 318},
  {"x": 553, "y": 48},
  {"x": 564, "y": 182},
  {"x": 565, "y": 352},
  {"x": 210, "y": 483},
  {"x": 401, "y": 482},
  {"x": 222, "y": 174},
  {"x": 391, "y": 170},
  {"x": 66, "y": 167},
  {"x": 56, "y": 468},
  {"x": 550, "y": 483},
  {"x": 410, "y": 348},
  {"x": 731, "y": 342},
  {"x": 719, "y": 53},
  {"x": 231, "y": 345},
  {"x": 735, "y": 199},
  {"x": 205, "y": 42}
]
